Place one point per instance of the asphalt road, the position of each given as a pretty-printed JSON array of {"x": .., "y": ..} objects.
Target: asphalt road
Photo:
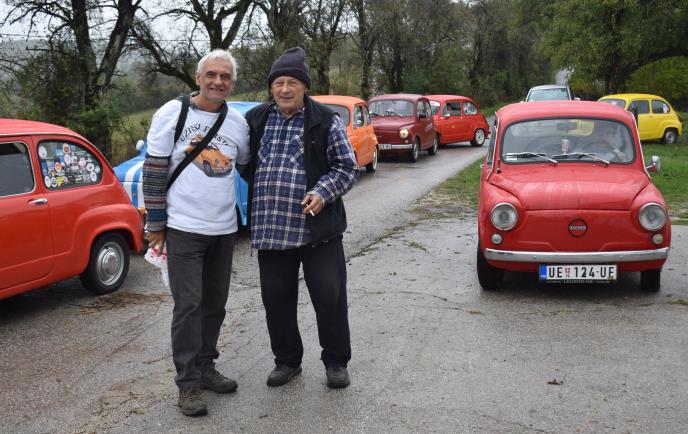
[{"x": 431, "y": 352}]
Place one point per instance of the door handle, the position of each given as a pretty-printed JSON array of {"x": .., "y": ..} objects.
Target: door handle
[{"x": 41, "y": 201}]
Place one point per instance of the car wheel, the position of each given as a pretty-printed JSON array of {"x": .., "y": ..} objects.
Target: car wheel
[
  {"x": 372, "y": 166},
  {"x": 415, "y": 150},
  {"x": 650, "y": 280},
  {"x": 478, "y": 138},
  {"x": 489, "y": 277},
  {"x": 670, "y": 136},
  {"x": 433, "y": 148},
  {"x": 108, "y": 264}
]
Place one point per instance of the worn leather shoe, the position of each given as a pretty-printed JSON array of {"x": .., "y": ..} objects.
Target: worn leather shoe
[
  {"x": 282, "y": 374},
  {"x": 218, "y": 383},
  {"x": 191, "y": 402},
  {"x": 337, "y": 377}
]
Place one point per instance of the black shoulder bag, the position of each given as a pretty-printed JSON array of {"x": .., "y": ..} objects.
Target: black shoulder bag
[{"x": 186, "y": 102}]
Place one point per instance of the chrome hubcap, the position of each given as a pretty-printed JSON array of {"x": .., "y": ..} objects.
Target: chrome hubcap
[
  {"x": 110, "y": 263},
  {"x": 479, "y": 136}
]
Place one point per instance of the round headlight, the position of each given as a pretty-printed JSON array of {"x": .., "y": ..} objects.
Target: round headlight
[
  {"x": 504, "y": 216},
  {"x": 403, "y": 133},
  {"x": 652, "y": 216}
]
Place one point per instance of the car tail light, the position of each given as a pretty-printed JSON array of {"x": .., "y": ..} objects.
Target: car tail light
[
  {"x": 504, "y": 216},
  {"x": 652, "y": 216}
]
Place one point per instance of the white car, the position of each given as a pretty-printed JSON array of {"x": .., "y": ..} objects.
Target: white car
[{"x": 550, "y": 92}]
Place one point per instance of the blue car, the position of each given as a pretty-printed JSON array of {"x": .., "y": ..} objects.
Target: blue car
[{"x": 130, "y": 174}]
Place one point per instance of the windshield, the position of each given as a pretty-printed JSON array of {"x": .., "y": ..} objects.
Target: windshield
[
  {"x": 342, "y": 111},
  {"x": 613, "y": 101},
  {"x": 391, "y": 107},
  {"x": 557, "y": 93},
  {"x": 434, "y": 107},
  {"x": 567, "y": 140}
]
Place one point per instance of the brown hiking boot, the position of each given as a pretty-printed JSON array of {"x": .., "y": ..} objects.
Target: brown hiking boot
[
  {"x": 191, "y": 402},
  {"x": 218, "y": 383}
]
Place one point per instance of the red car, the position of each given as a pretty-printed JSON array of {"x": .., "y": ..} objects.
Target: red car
[
  {"x": 62, "y": 211},
  {"x": 458, "y": 119},
  {"x": 403, "y": 124},
  {"x": 564, "y": 193}
]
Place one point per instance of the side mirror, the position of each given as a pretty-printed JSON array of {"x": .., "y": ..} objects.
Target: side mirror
[
  {"x": 139, "y": 145},
  {"x": 421, "y": 116},
  {"x": 655, "y": 166}
]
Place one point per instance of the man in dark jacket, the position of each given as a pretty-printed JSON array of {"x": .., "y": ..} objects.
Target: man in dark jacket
[{"x": 301, "y": 165}]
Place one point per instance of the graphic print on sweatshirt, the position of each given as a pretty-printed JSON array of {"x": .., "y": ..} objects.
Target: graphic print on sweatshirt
[{"x": 211, "y": 160}]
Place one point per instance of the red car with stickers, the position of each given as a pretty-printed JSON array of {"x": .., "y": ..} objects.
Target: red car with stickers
[
  {"x": 565, "y": 193},
  {"x": 62, "y": 211}
]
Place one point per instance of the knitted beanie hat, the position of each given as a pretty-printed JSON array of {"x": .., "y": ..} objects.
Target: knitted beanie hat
[{"x": 293, "y": 64}]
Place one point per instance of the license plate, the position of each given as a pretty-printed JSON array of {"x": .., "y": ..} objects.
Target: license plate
[
  {"x": 578, "y": 273},
  {"x": 385, "y": 146}
]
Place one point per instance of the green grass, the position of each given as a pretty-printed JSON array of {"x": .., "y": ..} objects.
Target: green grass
[
  {"x": 464, "y": 186},
  {"x": 134, "y": 127},
  {"x": 491, "y": 110}
]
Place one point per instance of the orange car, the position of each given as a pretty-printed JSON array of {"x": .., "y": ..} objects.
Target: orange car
[
  {"x": 210, "y": 160},
  {"x": 62, "y": 211},
  {"x": 360, "y": 131}
]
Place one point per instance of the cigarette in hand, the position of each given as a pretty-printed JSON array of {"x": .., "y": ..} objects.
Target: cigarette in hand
[{"x": 312, "y": 213}]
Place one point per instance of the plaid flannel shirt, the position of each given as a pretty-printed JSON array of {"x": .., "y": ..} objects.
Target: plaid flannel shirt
[{"x": 277, "y": 219}]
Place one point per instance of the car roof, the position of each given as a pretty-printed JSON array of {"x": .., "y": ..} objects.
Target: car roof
[
  {"x": 338, "y": 99},
  {"x": 548, "y": 86},
  {"x": 406, "y": 96},
  {"x": 632, "y": 96},
  {"x": 562, "y": 108},
  {"x": 242, "y": 106},
  {"x": 443, "y": 98},
  {"x": 17, "y": 127}
]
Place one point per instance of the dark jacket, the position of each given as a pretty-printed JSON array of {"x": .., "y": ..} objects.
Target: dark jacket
[{"x": 331, "y": 221}]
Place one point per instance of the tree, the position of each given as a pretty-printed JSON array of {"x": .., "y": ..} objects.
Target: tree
[
  {"x": 207, "y": 22},
  {"x": 74, "y": 22},
  {"x": 322, "y": 24},
  {"x": 393, "y": 43},
  {"x": 285, "y": 20},
  {"x": 610, "y": 39},
  {"x": 367, "y": 36}
]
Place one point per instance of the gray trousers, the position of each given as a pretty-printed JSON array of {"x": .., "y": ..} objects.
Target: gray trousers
[{"x": 200, "y": 267}]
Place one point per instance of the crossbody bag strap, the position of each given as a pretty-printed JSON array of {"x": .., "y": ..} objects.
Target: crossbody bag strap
[
  {"x": 186, "y": 102},
  {"x": 199, "y": 148}
]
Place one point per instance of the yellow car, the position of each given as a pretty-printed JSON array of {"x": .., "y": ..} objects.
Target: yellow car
[{"x": 656, "y": 118}]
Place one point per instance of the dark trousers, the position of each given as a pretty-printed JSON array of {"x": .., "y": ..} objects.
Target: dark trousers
[
  {"x": 200, "y": 267},
  {"x": 324, "y": 270}
]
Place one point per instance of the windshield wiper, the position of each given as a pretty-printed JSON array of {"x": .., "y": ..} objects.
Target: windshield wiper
[
  {"x": 579, "y": 155},
  {"x": 530, "y": 155}
]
